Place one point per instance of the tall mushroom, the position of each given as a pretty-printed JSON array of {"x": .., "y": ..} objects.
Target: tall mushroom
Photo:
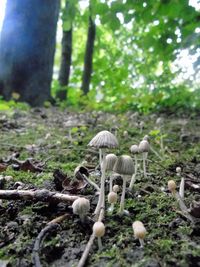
[
  {"x": 110, "y": 162},
  {"x": 103, "y": 140},
  {"x": 144, "y": 149},
  {"x": 124, "y": 166},
  {"x": 134, "y": 150}
]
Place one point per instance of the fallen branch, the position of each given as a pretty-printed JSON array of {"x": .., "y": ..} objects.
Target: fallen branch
[
  {"x": 38, "y": 241},
  {"x": 37, "y": 195}
]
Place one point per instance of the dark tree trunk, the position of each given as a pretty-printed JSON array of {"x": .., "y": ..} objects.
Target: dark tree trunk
[
  {"x": 66, "y": 56},
  {"x": 27, "y": 47},
  {"x": 87, "y": 70}
]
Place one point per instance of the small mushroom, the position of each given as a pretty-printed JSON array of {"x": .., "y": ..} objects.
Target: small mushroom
[
  {"x": 139, "y": 231},
  {"x": 103, "y": 140},
  {"x": 99, "y": 231},
  {"x": 159, "y": 123},
  {"x": 141, "y": 126},
  {"x": 112, "y": 199},
  {"x": 172, "y": 189},
  {"x": 124, "y": 166},
  {"x": 81, "y": 207},
  {"x": 116, "y": 188},
  {"x": 110, "y": 162},
  {"x": 144, "y": 149},
  {"x": 134, "y": 150}
]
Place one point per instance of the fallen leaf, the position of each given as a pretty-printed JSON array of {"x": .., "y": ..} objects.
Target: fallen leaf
[
  {"x": 3, "y": 167},
  {"x": 192, "y": 184},
  {"x": 59, "y": 177},
  {"x": 195, "y": 209},
  {"x": 27, "y": 165}
]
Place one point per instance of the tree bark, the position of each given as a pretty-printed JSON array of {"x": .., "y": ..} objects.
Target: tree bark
[
  {"x": 27, "y": 47},
  {"x": 66, "y": 56},
  {"x": 87, "y": 70}
]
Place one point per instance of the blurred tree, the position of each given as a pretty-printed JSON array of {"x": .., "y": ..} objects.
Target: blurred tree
[
  {"x": 27, "y": 49},
  {"x": 88, "y": 58},
  {"x": 68, "y": 13}
]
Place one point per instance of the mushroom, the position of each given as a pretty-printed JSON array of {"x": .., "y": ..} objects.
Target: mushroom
[
  {"x": 144, "y": 149},
  {"x": 159, "y": 123},
  {"x": 112, "y": 199},
  {"x": 124, "y": 166},
  {"x": 182, "y": 183},
  {"x": 116, "y": 188},
  {"x": 134, "y": 150},
  {"x": 103, "y": 140},
  {"x": 141, "y": 126},
  {"x": 110, "y": 162},
  {"x": 172, "y": 189},
  {"x": 81, "y": 206},
  {"x": 99, "y": 231},
  {"x": 139, "y": 231}
]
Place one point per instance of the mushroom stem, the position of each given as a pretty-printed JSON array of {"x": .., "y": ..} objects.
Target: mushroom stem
[
  {"x": 100, "y": 243},
  {"x": 141, "y": 242},
  {"x": 121, "y": 208},
  {"x": 91, "y": 183},
  {"x": 183, "y": 207},
  {"x": 111, "y": 183},
  {"x": 161, "y": 144},
  {"x": 101, "y": 201},
  {"x": 181, "y": 189},
  {"x": 100, "y": 157},
  {"x": 133, "y": 178},
  {"x": 111, "y": 208},
  {"x": 144, "y": 156}
]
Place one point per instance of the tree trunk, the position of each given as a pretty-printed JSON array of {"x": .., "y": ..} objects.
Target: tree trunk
[
  {"x": 27, "y": 47},
  {"x": 87, "y": 71},
  {"x": 66, "y": 56}
]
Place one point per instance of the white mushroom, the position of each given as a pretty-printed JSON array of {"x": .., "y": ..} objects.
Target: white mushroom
[
  {"x": 144, "y": 149},
  {"x": 139, "y": 231},
  {"x": 124, "y": 166},
  {"x": 134, "y": 150},
  {"x": 103, "y": 140},
  {"x": 81, "y": 207},
  {"x": 99, "y": 231}
]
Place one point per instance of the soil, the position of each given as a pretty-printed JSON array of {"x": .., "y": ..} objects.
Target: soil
[{"x": 42, "y": 147}]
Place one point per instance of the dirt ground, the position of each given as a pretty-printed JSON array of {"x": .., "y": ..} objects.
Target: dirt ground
[{"x": 41, "y": 148}]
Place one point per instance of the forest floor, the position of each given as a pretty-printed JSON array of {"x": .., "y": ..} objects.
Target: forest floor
[{"x": 42, "y": 147}]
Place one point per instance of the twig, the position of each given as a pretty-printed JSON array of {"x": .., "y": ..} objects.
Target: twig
[
  {"x": 37, "y": 195},
  {"x": 59, "y": 219},
  {"x": 90, "y": 242},
  {"x": 38, "y": 241},
  {"x": 86, "y": 251}
]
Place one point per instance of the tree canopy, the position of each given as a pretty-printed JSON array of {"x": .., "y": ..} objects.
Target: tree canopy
[{"x": 135, "y": 54}]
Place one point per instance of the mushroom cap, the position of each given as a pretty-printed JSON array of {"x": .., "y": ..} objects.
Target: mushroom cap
[
  {"x": 159, "y": 121},
  {"x": 110, "y": 161},
  {"x": 112, "y": 197},
  {"x": 104, "y": 139},
  {"x": 99, "y": 229},
  {"x": 81, "y": 206},
  {"x": 171, "y": 186},
  {"x": 134, "y": 149},
  {"x": 124, "y": 165},
  {"x": 116, "y": 188},
  {"x": 144, "y": 146},
  {"x": 139, "y": 229},
  {"x": 178, "y": 169},
  {"x": 146, "y": 137}
]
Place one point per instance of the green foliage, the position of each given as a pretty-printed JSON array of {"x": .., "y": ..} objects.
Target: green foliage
[
  {"x": 136, "y": 45},
  {"x": 10, "y": 105}
]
